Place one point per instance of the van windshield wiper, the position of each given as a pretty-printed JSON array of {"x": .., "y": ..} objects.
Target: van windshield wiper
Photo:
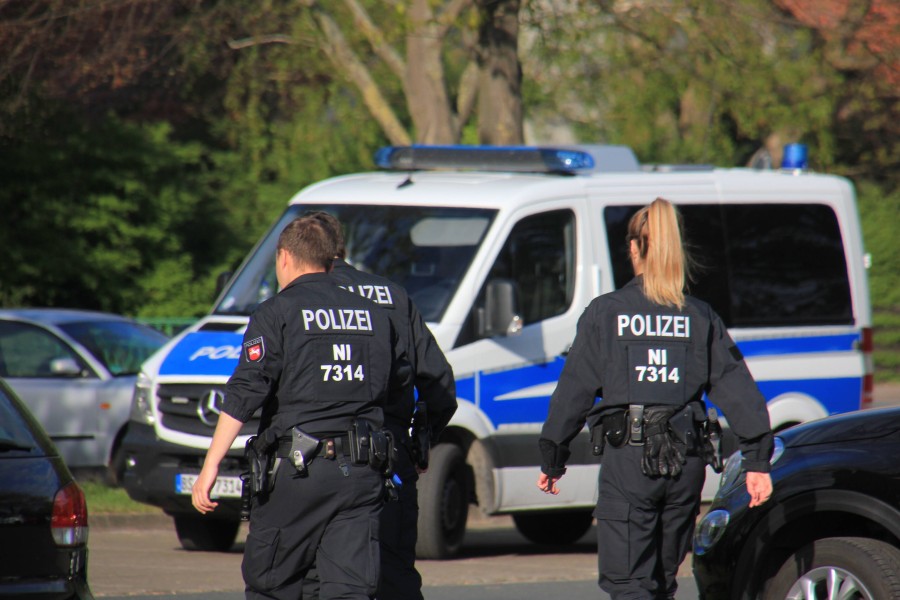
[{"x": 9, "y": 445}]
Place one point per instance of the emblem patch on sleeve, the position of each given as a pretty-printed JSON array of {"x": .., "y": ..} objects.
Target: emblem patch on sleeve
[{"x": 254, "y": 350}]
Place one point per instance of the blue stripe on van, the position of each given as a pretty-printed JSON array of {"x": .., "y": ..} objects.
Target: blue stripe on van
[
  {"x": 799, "y": 345},
  {"x": 836, "y": 395},
  {"x": 209, "y": 353}
]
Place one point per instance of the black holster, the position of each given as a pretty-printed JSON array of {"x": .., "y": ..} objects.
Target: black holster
[
  {"x": 370, "y": 446},
  {"x": 612, "y": 429},
  {"x": 260, "y": 479},
  {"x": 711, "y": 441},
  {"x": 686, "y": 424},
  {"x": 420, "y": 440},
  {"x": 304, "y": 448},
  {"x": 261, "y": 461}
]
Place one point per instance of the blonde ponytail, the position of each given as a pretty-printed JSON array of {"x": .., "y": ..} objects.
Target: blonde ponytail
[{"x": 657, "y": 231}]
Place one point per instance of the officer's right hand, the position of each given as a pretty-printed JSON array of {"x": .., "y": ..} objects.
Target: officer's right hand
[
  {"x": 202, "y": 488},
  {"x": 759, "y": 486},
  {"x": 547, "y": 484}
]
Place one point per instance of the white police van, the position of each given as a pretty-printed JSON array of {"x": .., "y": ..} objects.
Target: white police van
[{"x": 501, "y": 249}]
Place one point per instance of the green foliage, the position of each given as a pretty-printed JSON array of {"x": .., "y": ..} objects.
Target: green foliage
[
  {"x": 90, "y": 209},
  {"x": 880, "y": 214},
  {"x": 102, "y": 499},
  {"x": 685, "y": 81}
]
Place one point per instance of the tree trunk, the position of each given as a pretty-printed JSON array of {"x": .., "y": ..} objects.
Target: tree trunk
[
  {"x": 426, "y": 92},
  {"x": 500, "y": 86}
]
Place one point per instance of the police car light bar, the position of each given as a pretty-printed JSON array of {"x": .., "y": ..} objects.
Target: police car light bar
[{"x": 520, "y": 159}]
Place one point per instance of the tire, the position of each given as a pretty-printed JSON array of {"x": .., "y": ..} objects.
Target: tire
[
  {"x": 115, "y": 470},
  {"x": 205, "y": 534},
  {"x": 443, "y": 504},
  {"x": 858, "y": 568},
  {"x": 553, "y": 528}
]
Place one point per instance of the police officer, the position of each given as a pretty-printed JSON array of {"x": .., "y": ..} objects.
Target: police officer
[
  {"x": 316, "y": 359},
  {"x": 433, "y": 379},
  {"x": 650, "y": 352}
]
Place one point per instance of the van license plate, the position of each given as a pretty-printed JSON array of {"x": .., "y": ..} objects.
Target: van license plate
[{"x": 226, "y": 487}]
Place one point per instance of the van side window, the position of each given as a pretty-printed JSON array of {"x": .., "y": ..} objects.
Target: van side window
[
  {"x": 760, "y": 265},
  {"x": 538, "y": 258}
]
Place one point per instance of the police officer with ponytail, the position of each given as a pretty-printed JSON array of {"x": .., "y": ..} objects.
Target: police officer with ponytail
[
  {"x": 650, "y": 352},
  {"x": 319, "y": 361}
]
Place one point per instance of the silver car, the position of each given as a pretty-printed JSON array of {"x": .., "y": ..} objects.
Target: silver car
[{"x": 75, "y": 370}]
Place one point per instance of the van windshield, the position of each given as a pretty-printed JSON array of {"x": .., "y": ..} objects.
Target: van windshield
[{"x": 427, "y": 250}]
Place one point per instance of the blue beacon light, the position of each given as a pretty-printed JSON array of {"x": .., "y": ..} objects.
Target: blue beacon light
[{"x": 795, "y": 158}]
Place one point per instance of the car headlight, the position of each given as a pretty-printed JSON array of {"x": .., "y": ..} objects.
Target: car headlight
[
  {"x": 710, "y": 530},
  {"x": 732, "y": 471},
  {"x": 142, "y": 401}
]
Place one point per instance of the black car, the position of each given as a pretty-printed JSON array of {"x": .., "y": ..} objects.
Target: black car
[
  {"x": 831, "y": 528},
  {"x": 43, "y": 515}
]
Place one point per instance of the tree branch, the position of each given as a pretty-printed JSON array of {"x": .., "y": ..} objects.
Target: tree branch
[
  {"x": 345, "y": 60},
  {"x": 468, "y": 93},
  {"x": 376, "y": 39},
  {"x": 447, "y": 17},
  {"x": 272, "y": 38}
]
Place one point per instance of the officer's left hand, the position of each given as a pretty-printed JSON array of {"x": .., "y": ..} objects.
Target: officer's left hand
[
  {"x": 759, "y": 485},
  {"x": 547, "y": 484}
]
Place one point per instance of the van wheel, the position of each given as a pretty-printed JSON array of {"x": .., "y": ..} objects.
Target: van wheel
[
  {"x": 115, "y": 470},
  {"x": 556, "y": 528},
  {"x": 852, "y": 568},
  {"x": 205, "y": 534},
  {"x": 443, "y": 504}
]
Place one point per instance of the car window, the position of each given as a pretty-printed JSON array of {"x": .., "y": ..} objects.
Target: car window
[
  {"x": 122, "y": 346},
  {"x": 30, "y": 351},
  {"x": 760, "y": 265},
  {"x": 15, "y": 427},
  {"x": 539, "y": 259}
]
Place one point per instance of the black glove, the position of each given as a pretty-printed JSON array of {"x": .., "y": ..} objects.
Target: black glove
[{"x": 661, "y": 455}]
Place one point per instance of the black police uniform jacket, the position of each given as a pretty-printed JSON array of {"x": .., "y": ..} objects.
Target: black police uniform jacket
[
  {"x": 629, "y": 350},
  {"x": 432, "y": 374},
  {"x": 316, "y": 356}
]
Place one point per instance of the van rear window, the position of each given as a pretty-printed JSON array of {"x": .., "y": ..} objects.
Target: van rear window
[{"x": 759, "y": 265}]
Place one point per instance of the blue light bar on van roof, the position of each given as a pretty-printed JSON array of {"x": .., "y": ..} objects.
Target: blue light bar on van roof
[
  {"x": 520, "y": 159},
  {"x": 795, "y": 157}
]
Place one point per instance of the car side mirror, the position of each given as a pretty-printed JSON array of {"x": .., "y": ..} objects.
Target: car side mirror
[
  {"x": 65, "y": 367},
  {"x": 500, "y": 314}
]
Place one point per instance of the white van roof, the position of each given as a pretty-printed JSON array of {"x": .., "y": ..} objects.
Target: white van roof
[{"x": 505, "y": 190}]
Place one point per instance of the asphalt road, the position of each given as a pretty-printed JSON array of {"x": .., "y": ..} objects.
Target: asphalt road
[
  {"x": 137, "y": 558},
  {"x": 143, "y": 559}
]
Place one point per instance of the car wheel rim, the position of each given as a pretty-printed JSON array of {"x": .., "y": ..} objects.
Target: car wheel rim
[{"x": 829, "y": 583}]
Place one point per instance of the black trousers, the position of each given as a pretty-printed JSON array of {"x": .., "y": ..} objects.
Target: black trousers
[
  {"x": 644, "y": 525},
  {"x": 324, "y": 518},
  {"x": 399, "y": 526}
]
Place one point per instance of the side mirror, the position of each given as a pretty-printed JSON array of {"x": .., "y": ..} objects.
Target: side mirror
[
  {"x": 501, "y": 309},
  {"x": 221, "y": 282},
  {"x": 65, "y": 367}
]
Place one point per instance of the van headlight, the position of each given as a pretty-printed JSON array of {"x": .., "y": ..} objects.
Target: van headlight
[{"x": 142, "y": 401}]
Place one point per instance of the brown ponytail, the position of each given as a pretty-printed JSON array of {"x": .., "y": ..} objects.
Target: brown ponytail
[{"x": 656, "y": 229}]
